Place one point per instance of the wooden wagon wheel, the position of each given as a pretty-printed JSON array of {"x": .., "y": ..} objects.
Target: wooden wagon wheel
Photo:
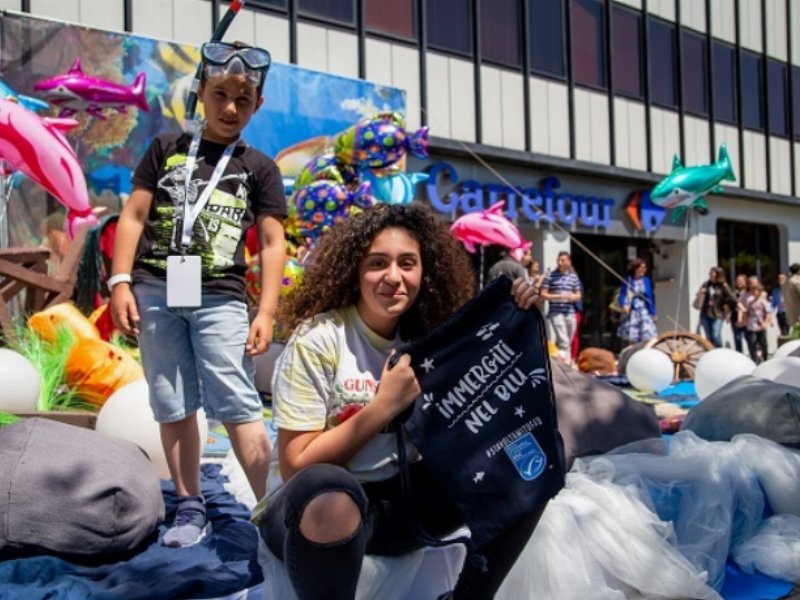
[{"x": 684, "y": 350}]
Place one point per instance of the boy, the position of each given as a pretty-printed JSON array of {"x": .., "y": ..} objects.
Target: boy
[{"x": 178, "y": 277}]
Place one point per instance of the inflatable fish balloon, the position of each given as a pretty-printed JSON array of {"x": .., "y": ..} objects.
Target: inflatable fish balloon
[
  {"x": 323, "y": 203},
  {"x": 489, "y": 227},
  {"x": 75, "y": 91},
  {"x": 7, "y": 92},
  {"x": 324, "y": 166},
  {"x": 379, "y": 142},
  {"x": 393, "y": 186},
  {"x": 36, "y": 147},
  {"x": 686, "y": 187}
]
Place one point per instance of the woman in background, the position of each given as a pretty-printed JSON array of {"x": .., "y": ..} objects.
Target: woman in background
[
  {"x": 638, "y": 323},
  {"x": 712, "y": 300},
  {"x": 756, "y": 316}
]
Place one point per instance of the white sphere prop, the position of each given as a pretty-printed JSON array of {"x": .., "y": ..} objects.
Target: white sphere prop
[
  {"x": 650, "y": 370},
  {"x": 265, "y": 367},
  {"x": 784, "y": 369},
  {"x": 21, "y": 382},
  {"x": 718, "y": 367},
  {"x": 787, "y": 348},
  {"x": 126, "y": 415}
]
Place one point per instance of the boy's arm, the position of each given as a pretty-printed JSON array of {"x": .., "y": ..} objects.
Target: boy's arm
[
  {"x": 129, "y": 229},
  {"x": 272, "y": 253}
]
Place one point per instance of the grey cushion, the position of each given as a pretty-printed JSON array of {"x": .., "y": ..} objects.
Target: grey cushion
[
  {"x": 748, "y": 405},
  {"x": 65, "y": 489},
  {"x": 595, "y": 417}
]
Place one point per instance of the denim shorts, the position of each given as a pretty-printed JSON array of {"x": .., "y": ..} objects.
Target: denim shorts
[{"x": 195, "y": 357}]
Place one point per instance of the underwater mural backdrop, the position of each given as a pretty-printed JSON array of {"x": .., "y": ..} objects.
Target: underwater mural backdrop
[{"x": 302, "y": 109}]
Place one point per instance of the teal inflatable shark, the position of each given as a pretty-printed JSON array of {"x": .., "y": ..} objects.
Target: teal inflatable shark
[{"x": 686, "y": 187}]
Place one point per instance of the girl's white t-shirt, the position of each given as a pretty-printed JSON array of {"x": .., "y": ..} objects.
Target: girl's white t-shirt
[{"x": 329, "y": 370}]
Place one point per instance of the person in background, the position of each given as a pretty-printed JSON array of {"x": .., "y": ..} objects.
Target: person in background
[
  {"x": 638, "y": 322},
  {"x": 507, "y": 265},
  {"x": 534, "y": 273},
  {"x": 756, "y": 313},
  {"x": 791, "y": 295},
  {"x": 198, "y": 352},
  {"x": 562, "y": 289},
  {"x": 711, "y": 300},
  {"x": 739, "y": 329},
  {"x": 778, "y": 305},
  {"x": 526, "y": 259}
]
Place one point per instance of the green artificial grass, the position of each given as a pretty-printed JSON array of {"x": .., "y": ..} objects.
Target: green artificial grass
[
  {"x": 7, "y": 419},
  {"x": 50, "y": 360}
]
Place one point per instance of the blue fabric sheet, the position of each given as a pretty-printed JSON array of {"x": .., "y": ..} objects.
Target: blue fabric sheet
[
  {"x": 741, "y": 586},
  {"x": 223, "y": 563}
]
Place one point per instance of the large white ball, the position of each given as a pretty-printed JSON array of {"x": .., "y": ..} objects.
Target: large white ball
[
  {"x": 265, "y": 367},
  {"x": 787, "y": 348},
  {"x": 717, "y": 367},
  {"x": 126, "y": 415},
  {"x": 650, "y": 370},
  {"x": 784, "y": 369},
  {"x": 20, "y": 382}
]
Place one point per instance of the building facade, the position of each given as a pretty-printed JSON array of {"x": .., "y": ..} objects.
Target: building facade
[{"x": 568, "y": 110}]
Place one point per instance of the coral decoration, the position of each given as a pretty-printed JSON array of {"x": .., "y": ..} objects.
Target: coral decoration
[
  {"x": 47, "y": 322},
  {"x": 95, "y": 369}
]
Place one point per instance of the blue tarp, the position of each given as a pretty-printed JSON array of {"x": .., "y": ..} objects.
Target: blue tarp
[{"x": 223, "y": 563}]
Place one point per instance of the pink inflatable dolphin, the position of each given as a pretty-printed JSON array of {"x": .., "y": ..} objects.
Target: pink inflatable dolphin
[
  {"x": 36, "y": 147},
  {"x": 489, "y": 227},
  {"x": 75, "y": 91}
]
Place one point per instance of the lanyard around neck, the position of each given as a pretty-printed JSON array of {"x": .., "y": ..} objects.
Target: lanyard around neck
[{"x": 192, "y": 211}]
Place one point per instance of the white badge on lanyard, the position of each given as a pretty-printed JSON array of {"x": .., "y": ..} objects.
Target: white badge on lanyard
[{"x": 184, "y": 273}]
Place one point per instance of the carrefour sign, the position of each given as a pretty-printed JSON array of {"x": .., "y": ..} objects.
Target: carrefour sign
[{"x": 547, "y": 203}]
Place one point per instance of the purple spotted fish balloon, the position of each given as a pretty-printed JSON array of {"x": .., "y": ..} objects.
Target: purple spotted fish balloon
[
  {"x": 324, "y": 202},
  {"x": 379, "y": 141}
]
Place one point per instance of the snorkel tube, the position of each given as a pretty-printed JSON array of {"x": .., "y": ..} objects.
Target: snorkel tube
[{"x": 219, "y": 33}]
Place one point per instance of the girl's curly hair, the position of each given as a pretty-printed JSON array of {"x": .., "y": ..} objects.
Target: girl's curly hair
[{"x": 330, "y": 280}]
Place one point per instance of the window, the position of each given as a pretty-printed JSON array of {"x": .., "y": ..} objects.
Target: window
[
  {"x": 269, "y": 3},
  {"x": 695, "y": 74},
  {"x": 449, "y": 25},
  {"x": 546, "y": 37},
  {"x": 777, "y": 99},
  {"x": 341, "y": 11},
  {"x": 500, "y": 32},
  {"x": 627, "y": 52},
  {"x": 724, "y": 70},
  {"x": 663, "y": 61},
  {"x": 749, "y": 249},
  {"x": 796, "y": 101},
  {"x": 588, "y": 43},
  {"x": 752, "y": 73},
  {"x": 391, "y": 17}
]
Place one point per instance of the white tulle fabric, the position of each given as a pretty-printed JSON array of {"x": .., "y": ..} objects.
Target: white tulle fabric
[
  {"x": 659, "y": 520},
  {"x": 652, "y": 519}
]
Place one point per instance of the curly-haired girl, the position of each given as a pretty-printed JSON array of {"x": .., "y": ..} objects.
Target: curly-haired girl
[{"x": 389, "y": 274}]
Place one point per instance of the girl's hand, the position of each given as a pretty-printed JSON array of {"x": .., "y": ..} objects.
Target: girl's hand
[
  {"x": 525, "y": 293},
  {"x": 399, "y": 386},
  {"x": 124, "y": 311}
]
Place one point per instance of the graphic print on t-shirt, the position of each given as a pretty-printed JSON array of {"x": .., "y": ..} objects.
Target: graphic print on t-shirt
[{"x": 217, "y": 231}]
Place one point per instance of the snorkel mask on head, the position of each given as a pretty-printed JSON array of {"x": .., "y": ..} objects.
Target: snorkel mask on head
[{"x": 221, "y": 60}]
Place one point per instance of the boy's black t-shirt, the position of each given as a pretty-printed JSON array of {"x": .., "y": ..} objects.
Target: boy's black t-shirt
[{"x": 250, "y": 186}]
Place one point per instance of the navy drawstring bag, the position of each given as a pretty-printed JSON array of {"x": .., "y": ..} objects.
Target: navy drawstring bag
[{"x": 485, "y": 422}]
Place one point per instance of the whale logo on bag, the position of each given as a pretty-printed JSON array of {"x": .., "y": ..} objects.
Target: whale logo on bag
[{"x": 527, "y": 456}]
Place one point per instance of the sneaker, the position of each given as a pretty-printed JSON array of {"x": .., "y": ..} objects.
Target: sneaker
[{"x": 190, "y": 525}]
